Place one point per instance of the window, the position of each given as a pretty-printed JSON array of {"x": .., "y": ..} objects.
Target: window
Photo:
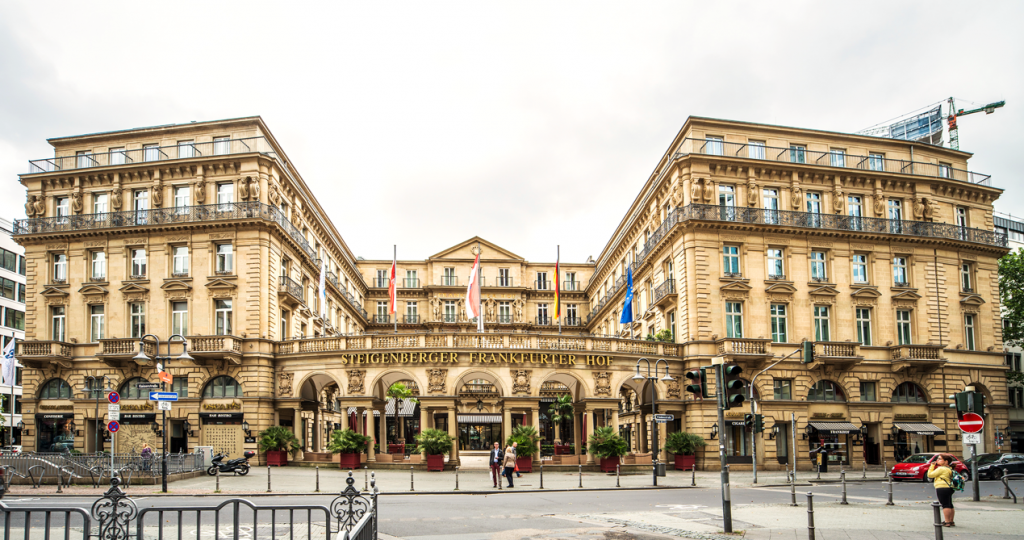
[
  {"x": 756, "y": 149},
  {"x": 141, "y": 202},
  {"x": 731, "y": 261},
  {"x": 138, "y": 263},
  {"x": 908, "y": 392},
  {"x": 504, "y": 279},
  {"x": 542, "y": 314},
  {"x": 225, "y": 258},
  {"x": 150, "y": 152},
  {"x": 137, "y": 319},
  {"x": 895, "y": 216},
  {"x": 837, "y": 157},
  {"x": 225, "y": 196},
  {"x": 818, "y": 266},
  {"x": 855, "y": 209},
  {"x": 770, "y": 199},
  {"x": 62, "y": 206},
  {"x": 726, "y": 195},
  {"x": 450, "y": 313},
  {"x": 7, "y": 289},
  {"x": 570, "y": 281},
  {"x": 9, "y": 259},
  {"x": 186, "y": 149},
  {"x": 966, "y": 285},
  {"x": 100, "y": 203},
  {"x": 21, "y": 293},
  {"x": 117, "y": 155},
  {"x": 864, "y": 326},
  {"x": 131, "y": 390},
  {"x": 903, "y": 327},
  {"x": 826, "y": 391},
  {"x": 797, "y": 153},
  {"x": 945, "y": 170},
  {"x": 222, "y": 387},
  {"x": 182, "y": 197},
  {"x": 714, "y": 146},
  {"x": 97, "y": 322},
  {"x": 821, "y": 323},
  {"x": 1016, "y": 397},
  {"x": 179, "y": 385},
  {"x": 542, "y": 281},
  {"x": 969, "y": 332},
  {"x": 775, "y": 268},
  {"x": 179, "y": 318},
  {"x": 1013, "y": 361},
  {"x": 412, "y": 312},
  {"x": 222, "y": 314},
  {"x": 60, "y": 268},
  {"x": 57, "y": 323},
  {"x": 867, "y": 391},
  {"x": 382, "y": 279},
  {"x": 778, "y": 316},
  {"x": 98, "y": 265},
  {"x": 55, "y": 389},
  {"x": 899, "y": 272},
  {"x": 382, "y": 311},
  {"x": 734, "y": 319},
  {"x": 14, "y": 318},
  {"x": 411, "y": 281},
  {"x": 448, "y": 277},
  {"x": 504, "y": 312},
  {"x": 221, "y": 146},
  {"x": 572, "y": 318},
  {"x": 860, "y": 268},
  {"x": 179, "y": 256},
  {"x": 814, "y": 208},
  {"x": 876, "y": 162},
  {"x": 783, "y": 389}
]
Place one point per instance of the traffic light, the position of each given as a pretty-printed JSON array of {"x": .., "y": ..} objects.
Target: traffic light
[
  {"x": 748, "y": 421},
  {"x": 966, "y": 402},
  {"x": 758, "y": 423},
  {"x": 808, "y": 352},
  {"x": 733, "y": 391},
  {"x": 698, "y": 386}
]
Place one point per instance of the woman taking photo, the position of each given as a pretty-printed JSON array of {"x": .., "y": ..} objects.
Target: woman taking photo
[{"x": 942, "y": 471}]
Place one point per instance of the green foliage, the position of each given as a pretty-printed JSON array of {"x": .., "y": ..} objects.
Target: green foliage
[
  {"x": 276, "y": 438},
  {"x": 400, "y": 391},
  {"x": 663, "y": 335},
  {"x": 1011, "y": 282},
  {"x": 346, "y": 441},
  {"x": 561, "y": 410},
  {"x": 434, "y": 442},
  {"x": 1015, "y": 377},
  {"x": 605, "y": 442},
  {"x": 683, "y": 443},
  {"x": 527, "y": 437}
]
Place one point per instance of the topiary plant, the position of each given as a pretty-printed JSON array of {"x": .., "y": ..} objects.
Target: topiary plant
[
  {"x": 434, "y": 442},
  {"x": 346, "y": 441},
  {"x": 527, "y": 438},
  {"x": 278, "y": 438},
  {"x": 605, "y": 443},
  {"x": 684, "y": 444}
]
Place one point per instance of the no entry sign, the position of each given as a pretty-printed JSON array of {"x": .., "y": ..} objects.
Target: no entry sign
[{"x": 972, "y": 423}]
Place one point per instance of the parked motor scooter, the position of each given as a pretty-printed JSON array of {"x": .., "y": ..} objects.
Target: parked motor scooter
[{"x": 237, "y": 466}]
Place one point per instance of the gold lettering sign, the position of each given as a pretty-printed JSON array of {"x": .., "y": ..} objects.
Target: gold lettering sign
[
  {"x": 509, "y": 358},
  {"x": 55, "y": 407},
  {"x": 831, "y": 416},
  {"x": 137, "y": 407},
  {"x": 912, "y": 417},
  {"x": 233, "y": 406}
]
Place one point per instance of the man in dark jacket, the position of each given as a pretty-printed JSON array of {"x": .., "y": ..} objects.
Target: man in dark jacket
[{"x": 494, "y": 460}]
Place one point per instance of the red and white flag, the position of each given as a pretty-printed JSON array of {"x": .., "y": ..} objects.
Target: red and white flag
[
  {"x": 473, "y": 290},
  {"x": 393, "y": 286}
]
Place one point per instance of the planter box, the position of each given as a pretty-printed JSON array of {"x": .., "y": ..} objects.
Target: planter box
[
  {"x": 525, "y": 464},
  {"x": 396, "y": 448},
  {"x": 277, "y": 457},
  {"x": 348, "y": 461},
  {"x": 609, "y": 464},
  {"x": 385, "y": 458},
  {"x": 435, "y": 463},
  {"x": 568, "y": 460},
  {"x": 685, "y": 463}
]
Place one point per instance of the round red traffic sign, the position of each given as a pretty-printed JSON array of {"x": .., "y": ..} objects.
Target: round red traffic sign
[
  {"x": 113, "y": 426},
  {"x": 113, "y": 397},
  {"x": 972, "y": 423}
]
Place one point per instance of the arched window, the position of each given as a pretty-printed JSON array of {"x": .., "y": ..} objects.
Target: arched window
[
  {"x": 55, "y": 389},
  {"x": 130, "y": 389},
  {"x": 908, "y": 392},
  {"x": 222, "y": 387},
  {"x": 826, "y": 391}
]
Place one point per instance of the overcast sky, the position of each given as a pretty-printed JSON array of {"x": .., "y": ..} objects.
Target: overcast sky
[{"x": 530, "y": 124}]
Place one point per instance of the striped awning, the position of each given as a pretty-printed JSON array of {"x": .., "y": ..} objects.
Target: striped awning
[
  {"x": 408, "y": 408},
  {"x": 834, "y": 428},
  {"x": 353, "y": 410},
  {"x": 479, "y": 418},
  {"x": 920, "y": 429}
]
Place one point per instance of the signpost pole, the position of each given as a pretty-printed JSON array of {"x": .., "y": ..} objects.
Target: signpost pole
[
  {"x": 163, "y": 451},
  {"x": 974, "y": 472},
  {"x": 718, "y": 362}
]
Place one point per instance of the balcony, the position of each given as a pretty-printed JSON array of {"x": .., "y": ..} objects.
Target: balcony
[
  {"x": 504, "y": 319},
  {"x": 665, "y": 294},
  {"x": 151, "y": 154},
  {"x": 572, "y": 286},
  {"x": 380, "y": 283},
  {"x": 410, "y": 319},
  {"x": 381, "y": 319},
  {"x": 572, "y": 321},
  {"x": 837, "y": 160},
  {"x": 290, "y": 291},
  {"x": 449, "y": 281},
  {"x": 38, "y": 354},
  {"x": 776, "y": 277},
  {"x": 216, "y": 348},
  {"x": 543, "y": 285},
  {"x": 410, "y": 283},
  {"x": 504, "y": 281},
  {"x": 112, "y": 351},
  {"x": 923, "y": 358},
  {"x": 545, "y": 321},
  {"x": 843, "y": 354},
  {"x": 753, "y": 352}
]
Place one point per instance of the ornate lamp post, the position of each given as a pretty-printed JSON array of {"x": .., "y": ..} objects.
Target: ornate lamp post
[{"x": 654, "y": 404}]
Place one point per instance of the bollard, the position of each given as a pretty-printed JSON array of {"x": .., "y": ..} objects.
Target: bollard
[
  {"x": 865, "y": 475},
  {"x": 819, "y": 471},
  {"x": 456, "y": 478},
  {"x": 842, "y": 477},
  {"x": 412, "y": 487},
  {"x": 581, "y": 475},
  {"x": 542, "y": 475},
  {"x": 938, "y": 520},
  {"x": 218, "y": 481},
  {"x": 693, "y": 475},
  {"x": 60, "y": 480},
  {"x": 810, "y": 516},
  {"x": 318, "y": 479},
  {"x": 792, "y": 490},
  {"x": 885, "y": 468},
  {"x": 501, "y": 482},
  {"x": 890, "y": 493},
  {"x": 366, "y": 478},
  {"x": 617, "y": 475},
  {"x": 268, "y": 478}
]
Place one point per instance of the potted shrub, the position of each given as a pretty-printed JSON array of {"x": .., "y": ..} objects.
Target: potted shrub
[
  {"x": 527, "y": 438},
  {"x": 277, "y": 442},
  {"x": 684, "y": 445},
  {"x": 349, "y": 445},
  {"x": 400, "y": 393},
  {"x": 436, "y": 444},
  {"x": 606, "y": 444}
]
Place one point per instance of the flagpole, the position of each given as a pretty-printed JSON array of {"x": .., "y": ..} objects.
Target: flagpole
[
  {"x": 480, "y": 304},
  {"x": 558, "y": 290},
  {"x": 394, "y": 283}
]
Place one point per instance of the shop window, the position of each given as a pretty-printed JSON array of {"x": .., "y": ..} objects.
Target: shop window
[
  {"x": 867, "y": 391},
  {"x": 55, "y": 389},
  {"x": 826, "y": 391},
  {"x": 222, "y": 387},
  {"x": 908, "y": 392}
]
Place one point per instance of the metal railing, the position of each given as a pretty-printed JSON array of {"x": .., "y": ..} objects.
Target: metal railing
[
  {"x": 544, "y": 285},
  {"x": 411, "y": 319},
  {"x": 411, "y": 283},
  {"x": 840, "y": 160},
  {"x": 292, "y": 287},
  {"x": 449, "y": 281},
  {"x": 572, "y": 285},
  {"x": 380, "y": 283},
  {"x": 572, "y": 321},
  {"x": 381, "y": 319},
  {"x": 147, "y": 154},
  {"x": 504, "y": 282},
  {"x": 545, "y": 321},
  {"x": 39, "y": 465},
  {"x": 665, "y": 289}
]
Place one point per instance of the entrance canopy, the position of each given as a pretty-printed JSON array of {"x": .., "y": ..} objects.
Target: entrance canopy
[
  {"x": 834, "y": 428},
  {"x": 479, "y": 418},
  {"x": 920, "y": 429}
]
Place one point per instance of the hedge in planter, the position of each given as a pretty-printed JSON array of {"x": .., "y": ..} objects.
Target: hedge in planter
[
  {"x": 684, "y": 445},
  {"x": 277, "y": 442},
  {"x": 349, "y": 445},
  {"x": 527, "y": 438},
  {"x": 606, "y": 444},
  {"x": 436, "y": 444}
]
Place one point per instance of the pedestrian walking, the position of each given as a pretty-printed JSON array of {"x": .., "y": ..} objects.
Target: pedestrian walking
[
  {"x": 515, "y": 452},
  {"x": 942, "y": 471},
  {"x": 147, "y": 456},
  {"x": 495, "y": 461},
  {"x": 510, "y": 464}
]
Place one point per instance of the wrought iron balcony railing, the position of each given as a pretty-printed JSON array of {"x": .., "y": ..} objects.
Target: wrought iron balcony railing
[
  {"x": 411, "y": 283},
  {"x": 451, "y": 318},
  {"x": 545, "y": 321},
  {"x": 449, "y": 281},
  {"x": 777, "y": 277},
  {"x": 411, "y": 319},
  {"x": 572, "y": 285},
  {"x": 380, "y": 283},
  {"x": 665, "y": 289},
  {"x": 504, "y": 319},
  {"x": 901, "y": 284},
  {"x": 506, "y": 281},
  {"x": 544, "y": 285},
  {"x": 135, "y": 156},
  {"x": 572, "y": 321},
  {"x": 291, "y": 287},
  {"x": 381, "y": 319},
  {"x": 839, "y": 160}
]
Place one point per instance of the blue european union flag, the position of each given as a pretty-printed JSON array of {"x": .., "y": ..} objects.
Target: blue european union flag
[{"x": 627, "y": 305}]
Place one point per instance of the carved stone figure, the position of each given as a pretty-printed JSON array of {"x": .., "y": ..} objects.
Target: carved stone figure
[
  {"x": 76, "y": 202},
  {"x": 752, "y": 190},
  {"x": 254, "y": 189},
  {"x": 673, "y": 389},
  {"x": 40, "y": 205},
  {"x": 284, "y": 384},
  {"x": 275, "y": 197},
  {"x": 709, "y": 193},
  {"x": 521, "y": 381},
  {"x": 879, "y": 204},
  {"x": 356, "y": 378},
  {"x": 602, "y": 383},
  {"x": 695, "y": 191},
  {"x": 201, "y": 190},
  {"x": 243, "y": 189},
  {"x": 462, "y": 310},
  {"x": 519, "y": 309},
  {"x": 677, "y": 193},
  {"x": 158, "y": 195},
  {"x": 797, "y": 195},
  {"x": 918, "y": 209},
  {"x": 931, "y": 208},
  {"x": 435, "y": 308},
  {"x": 436, "y": 381},
  {"x": 837, "y": 200},
  {"x": 30, "y": 208},
  {"x": 490, "y": 309}
]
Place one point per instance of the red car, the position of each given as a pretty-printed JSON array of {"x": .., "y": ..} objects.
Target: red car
[{"x": 915, "y": 467}]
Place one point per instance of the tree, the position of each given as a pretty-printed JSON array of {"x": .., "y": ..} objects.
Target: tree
[
  {"x": 398, "y": 392},
  {"x": 1011, "y": 278},
  {"x": 561, "y": 410}
]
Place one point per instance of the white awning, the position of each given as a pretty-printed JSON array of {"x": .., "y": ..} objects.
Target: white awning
[
  {"x": 408, "y": 408},
  {"x": 479, "y": 418},
  {"x": 920, "y": 429}
]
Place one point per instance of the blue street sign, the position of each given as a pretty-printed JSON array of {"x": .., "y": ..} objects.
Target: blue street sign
[
  {"x": 113, "y": 426},
  {"x": 113, "y": 397},
  {"x": 163, "y": 396}
]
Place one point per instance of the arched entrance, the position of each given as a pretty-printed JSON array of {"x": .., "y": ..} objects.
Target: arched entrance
[{"x": 480, "y": 411}]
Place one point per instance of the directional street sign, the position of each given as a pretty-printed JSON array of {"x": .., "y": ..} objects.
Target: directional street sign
[
  {"x": 148, "y": 385},
  {"x": 972, "y": 423},
  {"x": 663, "y": 418},
  {"x": 113, "y": 415},
  {"x": 163, "y": 406},
  {"x": 166, "y": 377},
  {"x": 163, "y": 396},
  {"x": 972, "y": 438},
  {"x": 113, "y": 397},
  {"x": 113, "y": 426}
]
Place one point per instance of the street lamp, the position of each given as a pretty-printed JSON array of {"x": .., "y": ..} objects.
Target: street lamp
[
  {"x": 144, "y": 360},
  {"x": 97, "y": 391},
  {"x": 187, "y": 427},
  {"x": 714, "y": 430},
  {"x": 654, "y": 404},
  {"x": 245, "y": 428}
]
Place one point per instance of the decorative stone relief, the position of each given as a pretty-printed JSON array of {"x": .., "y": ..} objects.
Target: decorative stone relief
[
  {"x": 437, "y": 378},
  {"x": 284, "y": 384},
  {"x": 602, "y": 383},
  {"x": 673, "y": 389},
  {"x": 356, "y": 378},
  {"x": 521, "y": 381}
]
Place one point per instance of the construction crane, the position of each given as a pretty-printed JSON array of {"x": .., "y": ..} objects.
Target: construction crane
[{"x": 954, "y": 113}]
